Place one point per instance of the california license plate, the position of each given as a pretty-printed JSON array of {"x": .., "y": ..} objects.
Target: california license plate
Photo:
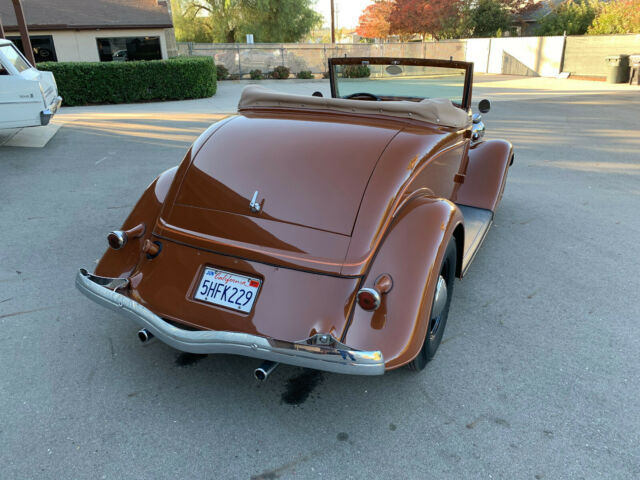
[{"x": 228, "y": 289}]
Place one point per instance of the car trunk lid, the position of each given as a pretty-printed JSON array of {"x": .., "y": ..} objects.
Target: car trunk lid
[
  {"x": 311, "y": 172},
  {"x": 307, "y": 171}
]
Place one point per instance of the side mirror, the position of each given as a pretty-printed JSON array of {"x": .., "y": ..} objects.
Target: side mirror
[{"x": 484, "y": 106}]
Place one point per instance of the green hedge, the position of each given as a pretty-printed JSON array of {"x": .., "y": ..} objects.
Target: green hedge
[
  {"x": 356, "y": 71},
  {"x": 82, "y": 83}
]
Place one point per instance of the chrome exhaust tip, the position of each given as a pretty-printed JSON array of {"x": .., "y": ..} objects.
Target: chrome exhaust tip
[
  {"x": 264, "y": 370},
  {"x": 144, "y": 335}
]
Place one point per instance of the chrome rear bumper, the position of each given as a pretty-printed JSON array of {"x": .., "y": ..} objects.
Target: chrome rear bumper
[
  {"x": 47, "y": 114},
  {"x": 321, "y": 352}
]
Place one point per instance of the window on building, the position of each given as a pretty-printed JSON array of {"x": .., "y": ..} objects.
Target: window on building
[
  {"x": 123, "y": 49},
  {"x": 43, "y": 47}
]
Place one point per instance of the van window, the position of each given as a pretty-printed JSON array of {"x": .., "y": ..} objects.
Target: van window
[{"x": 14, "y": 57}]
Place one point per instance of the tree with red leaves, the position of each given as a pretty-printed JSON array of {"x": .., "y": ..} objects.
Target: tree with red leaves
[
  {"x": 424, "y": 17},
  {"x": 374, "y": 21}
]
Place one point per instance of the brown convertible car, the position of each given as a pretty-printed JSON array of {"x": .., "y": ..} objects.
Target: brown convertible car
[{"x": 319, "y": 232}]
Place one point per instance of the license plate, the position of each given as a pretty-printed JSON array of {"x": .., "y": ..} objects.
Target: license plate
[{"x": 228, "y": 289}]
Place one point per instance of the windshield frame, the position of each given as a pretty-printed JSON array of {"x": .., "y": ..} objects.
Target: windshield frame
[{"x": 422, "y": 62}]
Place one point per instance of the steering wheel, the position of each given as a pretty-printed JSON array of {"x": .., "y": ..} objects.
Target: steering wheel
[{"x": 364, "y": 94}]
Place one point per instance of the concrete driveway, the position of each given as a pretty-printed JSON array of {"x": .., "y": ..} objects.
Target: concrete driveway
[{"x": 538, "y": 375}]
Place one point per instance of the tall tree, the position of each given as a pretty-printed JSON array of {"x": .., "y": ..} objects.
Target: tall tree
[
  {"x": 281, "y": 20},
  {"x": 229, "y": 20},
  {"x": 489, "y": 18},
  {"x": 189, "y": 26},
  {"x": 423, "y": 17},
  {"x": 374, "y": 21},
  {"x": 222, "y": 19},
  {"x": 459, "y": 25}
]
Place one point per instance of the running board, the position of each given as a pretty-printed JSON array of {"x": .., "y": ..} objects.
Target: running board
[{"x": 476, "y": 225}]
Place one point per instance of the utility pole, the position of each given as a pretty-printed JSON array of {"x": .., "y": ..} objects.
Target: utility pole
[
  {"x": 1, "y": 29},
  {"x": 24, "y": 32},
  {"x": 333, "y": 23}
]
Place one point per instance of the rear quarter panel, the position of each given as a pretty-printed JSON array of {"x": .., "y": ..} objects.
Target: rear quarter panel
[
  {"x": 411, "y": 253},
  {"x": 120, "y": 263},
  {"x": 20, "y": 102}
]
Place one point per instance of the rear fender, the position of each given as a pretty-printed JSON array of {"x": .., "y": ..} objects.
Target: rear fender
[
  {"x": 120, "y": 263},
  {"x": 410, "y": 253}
]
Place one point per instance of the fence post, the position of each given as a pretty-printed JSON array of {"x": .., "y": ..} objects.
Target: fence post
[
  {"x": 190, "y": 48},
  {"x": 324, "y": 58},
  {"x": 489, "y": 57},
  {"x": 564, "y": 47},
  {"x": 239, "y": 63}
]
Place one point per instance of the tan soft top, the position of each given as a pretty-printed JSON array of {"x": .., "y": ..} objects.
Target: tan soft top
[{"x": 433, "y": 110}]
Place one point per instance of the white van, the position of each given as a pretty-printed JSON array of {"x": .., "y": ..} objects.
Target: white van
[{"x": 28, "y": 97}]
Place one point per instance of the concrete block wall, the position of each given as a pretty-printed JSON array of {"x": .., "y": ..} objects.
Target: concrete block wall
[
  {"x": 584, "y": 55},
  {"x": 531, "y": 56}
]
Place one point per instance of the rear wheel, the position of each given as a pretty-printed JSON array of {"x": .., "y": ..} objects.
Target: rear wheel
[{"x": 439, "y": 309}]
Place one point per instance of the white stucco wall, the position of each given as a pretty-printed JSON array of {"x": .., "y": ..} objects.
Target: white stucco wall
[
  {"x": 478, "y": 53},
  {"x": 533, "y": 56},
  {"x": 542, "y": 55},
  {"x": 81, "y": 45}
]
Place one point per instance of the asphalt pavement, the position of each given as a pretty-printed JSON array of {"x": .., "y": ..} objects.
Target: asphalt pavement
[{"x": 538, "y": 374}]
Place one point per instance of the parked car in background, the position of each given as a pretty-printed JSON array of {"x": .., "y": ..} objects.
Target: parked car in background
[
  {"x": 28, "y": 97},
  {"x": 319, "y": 232}
]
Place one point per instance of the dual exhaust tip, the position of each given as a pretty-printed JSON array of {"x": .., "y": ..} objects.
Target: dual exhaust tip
[
  {"x": 144, "y": 335},
  {"x": 261, "y": 373}
]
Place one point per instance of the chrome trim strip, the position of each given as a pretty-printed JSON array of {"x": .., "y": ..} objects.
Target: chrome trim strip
[
  {"x": 35, "y": 100},
  {"x": 321, "y": 352}
]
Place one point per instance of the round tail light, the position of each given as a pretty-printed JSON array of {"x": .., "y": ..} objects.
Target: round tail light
[
  {"x": 117, "y": 239},
  {"x": 368, "y": 299}
]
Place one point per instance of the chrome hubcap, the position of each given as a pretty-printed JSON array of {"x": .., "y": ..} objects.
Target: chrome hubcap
[{"x": 439, "y": 303}]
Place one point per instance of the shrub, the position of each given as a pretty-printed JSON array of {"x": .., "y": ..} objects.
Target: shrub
[
  {"x": 256, "y": 74},
  {"x": 222, "y": 72},
  {"x": 620, "y": 16},
  {"x": 356, "y": 71},
  {"x": 280, "y": 73},
  {"x": 82, "y": 83},
  {"x": 325, "y": 75},
  {"x": 304, "y": 74},
  {"x": 235, "y": 76}
]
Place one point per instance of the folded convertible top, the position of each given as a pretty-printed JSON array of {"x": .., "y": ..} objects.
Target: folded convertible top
[{"x": 433, "y": 110}]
